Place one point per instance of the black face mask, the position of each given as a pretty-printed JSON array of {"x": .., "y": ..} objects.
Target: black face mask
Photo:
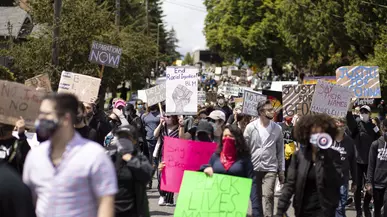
[
  {"x": 114, "y": 124},
  {"x": 45, "y": 129},
  {"x": 203, "y": 137},
  {"x": 79, "y": 119}
]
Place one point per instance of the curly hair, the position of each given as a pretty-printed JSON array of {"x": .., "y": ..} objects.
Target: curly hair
[
  {"x": 303, "y": 128},
  {"x": 240, "y": 143}
]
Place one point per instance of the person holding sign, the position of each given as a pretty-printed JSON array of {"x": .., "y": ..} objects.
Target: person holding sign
[
  {"x": 232, "y": 156},
  {"x": 314, "y": 176},
  {"x": 264, "y": 137}
]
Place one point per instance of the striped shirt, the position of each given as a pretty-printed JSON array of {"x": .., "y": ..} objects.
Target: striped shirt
[
  {"x": 174, "y": 133},
  {"x": 72, "y": 188}
]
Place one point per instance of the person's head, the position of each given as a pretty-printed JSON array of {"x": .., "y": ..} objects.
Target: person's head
[
  {"x": 288, "y": 120},
  {"x": 153, "y": 108},
  {"x": 57, "y": 116},
  {"x": 217, "y": 117},
  {"x": 120, "y": 104},
  {"x": 376, "y": 121},
  {"x": 131, "y": 110},
  {"x": 232, "y": 137},
  {"x": 313, "y": 124},
  {"x": 204, "y": 131},
  {"x": 202, "y": 115},
  {"x": 90, "y": 109},
  {"x": 382, "y": 102},
  {"x": 384, "y": 127},
  {"x": 341, "y": 124},
  {"x": 140, "y": 106},
  {"x": 114, "y": 118},
  {"x": 127, "y": 132},
  {"x": 81, "y": 115},
  {"x": 5, "y": 130},
  {"x": 365, "y": 112},
  {"x": 171, "y": 120},
  {"x": 265, "y": 110},
  {"x": 221, "y": 100}
]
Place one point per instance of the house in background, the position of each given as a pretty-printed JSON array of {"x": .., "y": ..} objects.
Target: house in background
[{"x": 15, "y": 24}]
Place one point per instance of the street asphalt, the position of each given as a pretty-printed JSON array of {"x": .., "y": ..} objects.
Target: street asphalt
[{"x": 165, "y": 211}]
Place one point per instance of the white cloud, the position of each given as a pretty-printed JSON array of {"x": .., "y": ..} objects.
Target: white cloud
[{"x": 187, "y": 17}]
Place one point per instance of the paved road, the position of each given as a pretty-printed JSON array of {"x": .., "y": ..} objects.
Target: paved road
[{"x": 164, "y": 211}]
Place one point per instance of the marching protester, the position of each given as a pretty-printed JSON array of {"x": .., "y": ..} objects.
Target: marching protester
[
  {"x": 133, "y": 173},
  {"x": 140, "y": 107},
  {"x": 81, "y": 127},
  {"x": 71, "y": 168},
  {"x": 264, "y": 138},
  {"x": 116, "y": 119},
  {"x": 344, "y": 145},
  {"x": 13, "y": 151},
  {"x": 314, "y": 176},
  {"x": 382, "y": 110},
  {"x": 97, "y": 120},
  {"x": 169, "y": 126},
  {"x": 290, "y": 146},
  {"x": 222, "y": 105},
  {"x": 135, "y": 121},
  {"x": 364, "y": 132},
  {"x": 377, "y": 172},
  {"x": 15, "y": 197},
  {"x": 232, "y": 156},
  {"x": 217, "y": 118}
]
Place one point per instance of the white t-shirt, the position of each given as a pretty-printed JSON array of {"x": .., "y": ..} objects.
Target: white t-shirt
[{"x": 264, "y": 132}]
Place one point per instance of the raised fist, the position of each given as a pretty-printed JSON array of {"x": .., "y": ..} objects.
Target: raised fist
[{"x": 181, "y": 96}]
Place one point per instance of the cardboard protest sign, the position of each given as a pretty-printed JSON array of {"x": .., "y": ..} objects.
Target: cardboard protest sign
[
  {"x": 84, "y": 87},
  {"x": 236, "y": 73},
  {"x": 201, "y": 97},
  {"x": 104, "y": 54},
  {"x": 231, "y": 90},
  {"x": 218, "y": 70},
  {"x": 362, "y": 80},
  {"x": 180, "y": 155},
  {"x": 142, "y": 95},
  {"x": 182, "y": 91},
  {"x": 314, "y": 79},
  {"x": 40, "y": 81},
  {"x": 296, "y": 99},
  {"x": 218, "y": 195},
  {"x": 362, "y": 101},
  {"x": 19, "y": 100},
  {"x": 155, "y": 94},
  {"x": 250, "y": 102},
  {"x": 331, "y": 99}
]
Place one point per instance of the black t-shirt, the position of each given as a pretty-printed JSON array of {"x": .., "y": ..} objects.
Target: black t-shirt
[
  {"x": 311, "y": 202},
  {"x": 87, "y": 133},
  {"x": 15, "y": 197}
]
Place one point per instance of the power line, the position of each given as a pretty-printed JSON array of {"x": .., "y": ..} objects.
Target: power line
[
  {"x": 186, "y": 6},
  {"x": 190, "y": 5}
]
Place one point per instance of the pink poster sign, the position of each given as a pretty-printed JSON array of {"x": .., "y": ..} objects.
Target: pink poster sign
[{"x": 180, "y": 155}]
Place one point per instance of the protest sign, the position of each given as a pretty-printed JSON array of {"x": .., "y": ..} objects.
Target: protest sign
[
  {"x": 218, "y": 70},
  {"x": 250, "y": 102},
  {"x": 18, "y": 100},
  {"x": 104, "y": 54},
  {"x": 155, "y": 94},
  {"x": 40, "y": 81},
  {"x": 182, "y": 91},
  {"x": 237, "y": 73},
  {"x": 331, "y": 99},
  {"x": 231, "y": 90},
  {"x": 201, "y": 97},
  {"x": 314, "y": 79},
  {"x": 362, "y": 80},
  {"x": 142, "y": 95},
  {"x": 218, "y": 195},
  {"x": 296, "y": 99},
  {"x": 84, "y": 87},
  {"x": 180, "y": 155},
  {"x": 362, "y": 101},
  {"x": 238, "y": 102}
]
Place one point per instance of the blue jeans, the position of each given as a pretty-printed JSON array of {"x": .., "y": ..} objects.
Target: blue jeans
[{"x": 340, "y": 211}]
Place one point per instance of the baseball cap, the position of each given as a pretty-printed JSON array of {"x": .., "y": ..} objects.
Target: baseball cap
[
  {"x": 127, "y": 131},
  {"x": 204, "y": 126},
  {"x": 119, "y": 103},
  {"x": 217, "y": 115},
  {"x": 366, "y": 107},
  {"x": 125, "y": 146}
]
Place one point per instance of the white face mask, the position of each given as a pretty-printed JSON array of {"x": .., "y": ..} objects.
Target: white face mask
[{"x": 365, "y": 117}]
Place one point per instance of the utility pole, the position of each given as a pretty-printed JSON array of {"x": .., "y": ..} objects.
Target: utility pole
[
  {"x": 55, "y": 46},
  {"x": 147, "y": 16},
  {"x": 158, "y": 48},
  {"x": 118, "y": 14}
]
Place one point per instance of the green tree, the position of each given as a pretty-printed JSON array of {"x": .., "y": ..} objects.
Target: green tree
[
  {"x": 188, "y": 60},
  {"x": 171, "y": 53}
]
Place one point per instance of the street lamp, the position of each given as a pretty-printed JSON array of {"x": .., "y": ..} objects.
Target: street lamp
[{"x": 157, "y": 51}]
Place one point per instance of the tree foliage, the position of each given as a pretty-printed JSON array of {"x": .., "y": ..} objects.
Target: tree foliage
[
  {"x": 317, "y": 36},
  {"x": 188, "y": 60}
]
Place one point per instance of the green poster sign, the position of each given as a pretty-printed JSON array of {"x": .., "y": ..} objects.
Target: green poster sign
[{"x": 219, "y": 195}]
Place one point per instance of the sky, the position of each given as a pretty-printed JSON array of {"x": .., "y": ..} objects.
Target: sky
[{"x": 187, "y": 17}]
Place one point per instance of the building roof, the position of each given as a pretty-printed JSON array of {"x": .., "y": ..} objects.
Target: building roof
[{"x": 17, "y": 18}]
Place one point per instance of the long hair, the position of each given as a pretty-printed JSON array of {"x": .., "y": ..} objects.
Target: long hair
[{"x": 240, "y": 143}]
